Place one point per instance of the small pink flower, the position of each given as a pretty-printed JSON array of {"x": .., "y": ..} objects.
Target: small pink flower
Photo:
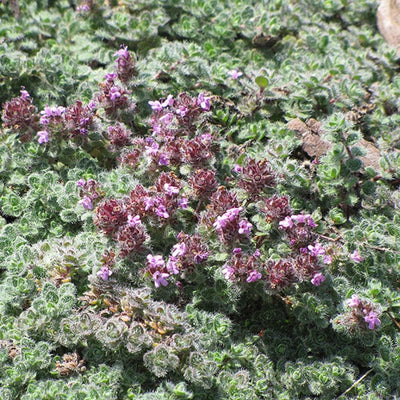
[
  {"x": 356, "y": 257},
  {"x": 43, "y": 137},
  {"x": 169, "y": 101},
  {"x": 328, "y": 260},
  {"x": 234, "y": 74},
  {"x": 163, "y": 159},
  {"x": 204, "y": 102},
  {"x": 228, "y": 272},
  {"x": 237, "y": 168},
  {"x": 86, "y": 202},
  {"x": 316, "y": 250},
  {"x": 354, "y": 301},
  {"x": 161, "y": 211},
  {"x": 104, "y": 273},
  {"x": 179, "y": 250},
  {"x": 253, "y": 276},
  {"x": 134, "y": 220},
  {"x": 172, "y": 267},
  {"x": 170, "y": 190},
  {"x": 244, "y": 227},
  {"x": 24, "y": 93},
  {"x": 317, "y": 279},
  {"x": 160, "y": 279},
  {"x": 155, "y": 105},
  {"x": 183, "y": 202},
  {"x": 372, "y": 319},
  {"x": 81, "y": 182},
  {"x": 286, "y": 223},
  {"x": 167, "y": 118},
  {"x": 110, "y": 77},
  {"x": 155, "y": 261}
]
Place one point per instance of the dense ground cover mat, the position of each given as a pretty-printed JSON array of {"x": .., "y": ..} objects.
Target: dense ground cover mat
[{"x": 198, "y": 200}]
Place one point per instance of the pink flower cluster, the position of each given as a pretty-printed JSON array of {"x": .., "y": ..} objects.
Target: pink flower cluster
[
  {"x": 243, "y": 267},
  {"x": 290, "y": 270},
  {"x": 20, "y": 115},
  {"x": 125, "y": 219},
  {"x": 66, "y": 123},
  {"x": 184, "y": 256},
  {"x": 363, "y": 313},
  {"x": 112, "y": 97},
  {"x": 188, "y": 252},
  {"x": 90, "y": 192},
  {"x": 299, "y": 230},
  {"x": 255, "y": 177},
  {"x": 231, "y": 227},
  {"x": 126, "y": 69}
]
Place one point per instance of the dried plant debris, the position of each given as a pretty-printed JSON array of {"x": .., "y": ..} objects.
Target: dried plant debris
[
  {"x": 71, "y": 364},
  {"x": 13, "y": 350}
]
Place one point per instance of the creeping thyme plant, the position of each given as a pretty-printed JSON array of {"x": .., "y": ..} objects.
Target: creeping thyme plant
[{"x": 198, "y": 200}]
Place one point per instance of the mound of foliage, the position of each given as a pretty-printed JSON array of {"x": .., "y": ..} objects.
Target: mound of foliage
[{"x": 198, "y": 200}]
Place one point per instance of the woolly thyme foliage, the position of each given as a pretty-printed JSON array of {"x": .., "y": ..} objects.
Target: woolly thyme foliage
[{"x": 277, "y": 343}]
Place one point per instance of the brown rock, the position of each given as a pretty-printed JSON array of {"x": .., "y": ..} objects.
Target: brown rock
[
  {"x": 315, "y": 146},
  {"x": 388, "y": 18}
]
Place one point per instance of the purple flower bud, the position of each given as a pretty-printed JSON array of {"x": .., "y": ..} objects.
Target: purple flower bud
[
  {"x": 237, "y": 250},
  {"x": 43, "y": 137},
  {"x": 354, "y": 301},
  {"x": 372, "y": 319},
  {"x": 356, "y": 257},
  {"x": 86, "y": 203},
  {"x": 134, "y": 220},
  {"x": 183, "y": 202},
  {"x": 316, "y": 250},
  {"x": 244, "y": 227},
  {"x": 81, "y": 182},
  {"x": 204, "y": 102},
  {"x": 110, "y": 77},
  {"x": 155, "y": 105},
  {"x": 234, "y": 74},
  {"x": 104, "y": 272},
  {"x": 253, "y": 276},
  {"x": 155, "y": 261},
  {"x": 160, "y": 278},
  {"x": 172, "y": 267},
  {"x": 317, "y": 279},
  {"x": 286, "y": 223},
  {"x": 169, "y": 101}
]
